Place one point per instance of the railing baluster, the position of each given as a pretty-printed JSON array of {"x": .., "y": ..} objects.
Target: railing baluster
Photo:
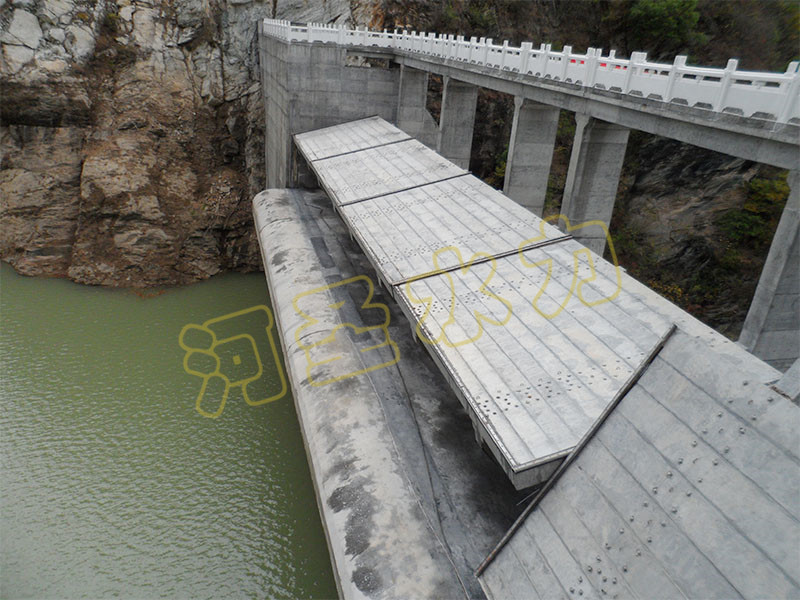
[
  {"x": 566, "y": 54},
  {"x": 725, "y": 84},
  {"x": 674, "y": 74},
  {"x": 525, "y": 57}
]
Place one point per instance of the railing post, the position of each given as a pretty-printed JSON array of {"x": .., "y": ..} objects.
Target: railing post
[
  {"x": 546, "y": 58},
  {"x": 503, "y": 56},
  {"x": 592, "y": 59},
  {"x": 565, "y": 58},
  {"x": 674, "y": 74},
  {"x": 524, "y": 56},
  {"x": 791, "y": 92},
  {"x": 725, "y": 84},
  {"x": 541, "y": 59},
  {"x": 636, "y": 59}
]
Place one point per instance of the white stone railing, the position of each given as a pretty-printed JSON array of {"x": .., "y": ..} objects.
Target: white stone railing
[{"x": 749, "y": 93}]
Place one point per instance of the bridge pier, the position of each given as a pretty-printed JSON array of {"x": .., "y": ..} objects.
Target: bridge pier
[
  {"x": 457, "y": 120},
  {"x": 412, "y": 115},
  {"x": 772, "y": 328},
  {"x": 530, "y": 152},
  {"x": 593, "y": 176}
]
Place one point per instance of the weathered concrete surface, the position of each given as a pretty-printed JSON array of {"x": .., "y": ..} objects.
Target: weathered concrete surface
[
  {"x": 687, "y": 490},
  {"x": 410, "y": 504},
  {"x": 598, "y": 152},
  {"x": 530, "y": 152},
  {"x": 412, "y": 115},
  {"x": 457, "y": 121},
  {"x": 309, "y": 86},
  {"x": 789, "y": 384},
  {"x": 753, "y": 139},
  {"x": 772, "y": 328},
  {"x": 536, "y": 378}
]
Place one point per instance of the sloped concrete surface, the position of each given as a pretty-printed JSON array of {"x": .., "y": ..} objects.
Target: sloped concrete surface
[
  {"x": 410, "y": 504},
  {"x": 687, "y": 490}
]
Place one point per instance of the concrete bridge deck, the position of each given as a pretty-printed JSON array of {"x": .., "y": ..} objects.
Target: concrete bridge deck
[{"x": 536, "y": 334}]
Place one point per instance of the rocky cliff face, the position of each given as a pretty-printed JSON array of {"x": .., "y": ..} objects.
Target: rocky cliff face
[
  {"x": 696, "y": 225},
  {"x": 132, "y": 135}
]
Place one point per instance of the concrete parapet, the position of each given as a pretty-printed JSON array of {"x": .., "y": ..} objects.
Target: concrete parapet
[
  {"x": 530, "y": 152},
  {"x": 457, "y": 121},
  {"x": 593, "y": 176},
  {"x": 772, "y": 328}
]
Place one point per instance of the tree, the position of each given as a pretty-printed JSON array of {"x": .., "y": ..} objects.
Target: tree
[{"x": 662, "y": 28}]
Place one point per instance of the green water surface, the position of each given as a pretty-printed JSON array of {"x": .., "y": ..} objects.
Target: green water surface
[{"x": 113, "y": 485}]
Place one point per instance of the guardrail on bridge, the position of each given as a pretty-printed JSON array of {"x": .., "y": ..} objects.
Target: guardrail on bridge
[{"x": 748, "y": 93}]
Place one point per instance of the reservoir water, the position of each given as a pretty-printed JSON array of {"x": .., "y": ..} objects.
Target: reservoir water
[{"x": 113, "y": 484}]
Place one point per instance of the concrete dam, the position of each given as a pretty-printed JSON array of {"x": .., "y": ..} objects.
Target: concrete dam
[{"x": 489, "y": 407}]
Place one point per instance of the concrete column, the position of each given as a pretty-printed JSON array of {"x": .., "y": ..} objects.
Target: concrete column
[
  {"x": 530, "y": 152},
  {"x": 593, "y": 176},
  {"x": 772, "y": 328},
  {"x": 412, "y": 113},
  {"x": 457, "y": 121}
]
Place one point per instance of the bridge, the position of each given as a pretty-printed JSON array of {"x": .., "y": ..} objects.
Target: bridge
[
  {"x": 312, "y": 79},
  {"x": 574, "y": 377}
]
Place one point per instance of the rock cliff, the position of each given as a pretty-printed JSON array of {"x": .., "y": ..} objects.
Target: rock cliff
[{"x": 132, "y": 135}]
